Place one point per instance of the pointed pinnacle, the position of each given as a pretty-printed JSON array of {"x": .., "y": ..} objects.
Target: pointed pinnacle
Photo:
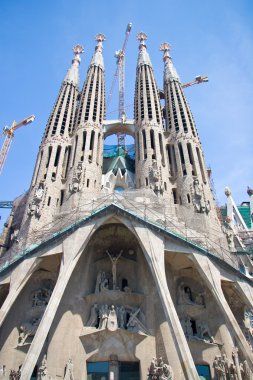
[
  {"x": 78, "y": 49},
  {"x": 165, "y": 46},
  {"x": 100, "y": 37},
  {"x": 142, "y": 37}
]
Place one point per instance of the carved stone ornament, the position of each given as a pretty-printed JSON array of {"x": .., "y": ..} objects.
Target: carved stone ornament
[
  {"x": 75, "y": 186},
  {"x": 43, "y": 371},
  {"x": 41, "y": 297},
  {"x": 197, "y": 330},
  {"x": 15, "y": 375},
  {"x": 155, "y": 178},
  {"x": 248, "y": 327},
  {"x": 201, "y": 206},
  {"x": 34, "y": 206},
  {"x": 111, "y": 318},
  {"x": 158, "y": 370},
  {"x": 57, "y": 139},
  {"x": 69, "y": 370},
  {"x": 27, "y": 331},
  {"x": 186, "y": 297},
  {"x": 226, "y": 368}
]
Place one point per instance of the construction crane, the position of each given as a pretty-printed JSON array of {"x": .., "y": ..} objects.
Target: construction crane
[
  {"x": 9, "y": 134},
  {"x": 199, "y": 79},
  {"x": 120, "y": 70},
  {"x": 6, "y": 204}
]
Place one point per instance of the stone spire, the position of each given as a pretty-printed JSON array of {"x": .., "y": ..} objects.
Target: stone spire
[
  {"x": 187, "y": 169},
  {"x": 143, "y": 58},
  {"x": 61, "y": 120},
  {"x": 92, "y": 101},
  {"x": 72, "y": 75},
  {"x": 97, "y": 59},
  {"x": 151, "y": 165},
  {"x": 85, "y": 174},
  {"x": 48, "y": 183},
  {"x": 170, "y": 72}
]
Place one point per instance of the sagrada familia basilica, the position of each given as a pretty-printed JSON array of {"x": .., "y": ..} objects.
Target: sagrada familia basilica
[{"x": 119, "y": 267}]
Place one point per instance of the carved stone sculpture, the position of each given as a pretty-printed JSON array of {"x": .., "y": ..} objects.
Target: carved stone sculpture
[
  {"x": 155, "y": 178},
  {"x": 220, "y": 365},
  {"x": 75, "y": 185},
  {"x": 69, "y": 371},
  {"x": 248, "y": 327},
  {"x": 112, "y": 318},
  {"x": 185, "y": 296},
  {"x": 41, "y": 297},
  {"x": 2, "y": 371},
  {"x": 158, "y": 370},
  {"x": 112, "y": 321},
  {"x": 34, "y": 206},
  {"x": 204, "y": 332},
  {"x": 43, "y": 371},
  {"x": 93, "y": 316},
  {"x": 15, "y": 375},
  {"x": 198, "y": 200},
  {"x": 26, "y": 330},
  {"x": 134, "y": 324},
  {"x": 114, "y": 260}
]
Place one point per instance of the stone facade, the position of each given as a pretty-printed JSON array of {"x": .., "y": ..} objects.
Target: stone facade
[{"x": 138, "y": 284}]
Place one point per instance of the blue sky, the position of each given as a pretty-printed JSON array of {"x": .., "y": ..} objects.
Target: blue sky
[{"x": 207, "y": 37}]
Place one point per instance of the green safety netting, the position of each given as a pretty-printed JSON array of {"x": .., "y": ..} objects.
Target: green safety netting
[{"x": 115, "y": 150}]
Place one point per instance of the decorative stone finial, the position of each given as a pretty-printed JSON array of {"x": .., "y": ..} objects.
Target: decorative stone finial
[
  {"x": 165, "y": 46},
  {"x": 250, "y": 191},
  {"x": 142, "y": 37},
  {"x": 78, "y": 49},
  {"x": 227, "y": 191},
  {"x": 100, "y": 37}
]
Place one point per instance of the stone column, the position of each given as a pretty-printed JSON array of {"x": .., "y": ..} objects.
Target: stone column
[
  {"x": 19, "y": 278},
  {"x": 211, "y": 276},
  {"x": 73, "y": 247},
  {"x": 153, "y": 248}
]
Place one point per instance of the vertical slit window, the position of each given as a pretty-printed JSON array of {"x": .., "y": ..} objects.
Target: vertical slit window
[
  {"x": 57, "y": 156},
  {"x": 138, "y": 145},
  {"x": 92, "y": 138},
  {"x": 74, "y": 155},
  {"x": 191, "y": 158},
  {"x": 175, "y": 198},
  {"x": 144, "y": 144},
  {"x": 98, "y": 148},
  {"x": 49, "y": 156},
  {"x": 83, "y": 144},
  {"x": 61, "y": 197},
  {"x": 201, "y": 165},
  {"x": 152, "y": 142},
  {"x": 161, "y": 148},
  {"x": 181, "y": 153}
]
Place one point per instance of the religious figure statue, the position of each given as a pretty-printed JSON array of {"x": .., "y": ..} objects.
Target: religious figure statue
[
  {"x": 69, "y": 370},
  {"x": 112, "y": 321},
  {"x": 204, "y": 332},
  {"x": 41, "y": 297},
  {"x": 28, "y": 329},
  {"x": 93, "y": 320},
  {"x": 103, "y": 317},
  {"x": 114, "y": 260},
  {"x": 199, "y": 203},
  {"x": 134, "y": 324},
  {"x": 43, "y": 371},
  {"x": 159, "y": 370}
]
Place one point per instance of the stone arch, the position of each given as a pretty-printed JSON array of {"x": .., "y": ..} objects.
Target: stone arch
[{"x": 19, "y": 328}]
